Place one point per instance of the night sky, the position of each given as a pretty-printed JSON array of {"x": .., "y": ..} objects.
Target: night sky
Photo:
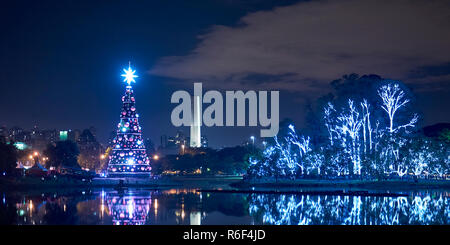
[{"x": 61, "y": 60}]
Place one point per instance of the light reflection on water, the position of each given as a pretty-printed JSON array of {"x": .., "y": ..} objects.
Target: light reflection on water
[
  {"x": 416, "y": 209},
  {"x": 190, "y": 206}
]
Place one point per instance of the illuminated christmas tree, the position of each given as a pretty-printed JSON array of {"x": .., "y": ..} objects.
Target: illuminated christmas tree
[{"x": 128, "y": 156}]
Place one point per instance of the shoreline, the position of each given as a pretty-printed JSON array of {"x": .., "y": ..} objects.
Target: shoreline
[
  {"x": 25, "y": 183},
  {"x": 312, "y": 192},
  {"x": 38, "y": 183},
  {"x": 224, "y": 183},
  {"x": 358, "y": 184}
]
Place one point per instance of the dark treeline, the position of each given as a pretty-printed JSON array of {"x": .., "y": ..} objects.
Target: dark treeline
[
  {"x": 8, "y": 157},
  {"x": 231, "y": 160},
  {"x": 85, "y": 152}
]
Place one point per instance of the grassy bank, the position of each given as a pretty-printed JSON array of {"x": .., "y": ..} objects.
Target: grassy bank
[
  {"x": 223, "y": 182},
  {"x": 165, "y": 181}
]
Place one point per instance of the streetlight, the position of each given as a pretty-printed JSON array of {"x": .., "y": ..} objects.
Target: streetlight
[{"x": 35, "y": 157}]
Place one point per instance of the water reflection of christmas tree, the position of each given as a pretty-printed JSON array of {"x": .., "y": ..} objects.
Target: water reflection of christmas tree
[{"x": 129, "y": 209}]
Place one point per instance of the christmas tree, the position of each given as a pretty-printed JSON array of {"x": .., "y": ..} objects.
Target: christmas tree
[{"x": 128, "y": 156}]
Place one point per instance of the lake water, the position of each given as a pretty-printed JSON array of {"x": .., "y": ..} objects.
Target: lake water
[{"x": 191, "y": 206}]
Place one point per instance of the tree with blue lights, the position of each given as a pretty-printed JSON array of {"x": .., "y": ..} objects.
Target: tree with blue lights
[
  {"x": 128, "y": 156},
  {"x": 368, "y": 136}
]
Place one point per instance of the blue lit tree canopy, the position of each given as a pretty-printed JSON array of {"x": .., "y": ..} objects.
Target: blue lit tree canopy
[
  {"x": 128, "y": 155},
  {"x": 372, "y": 137}
]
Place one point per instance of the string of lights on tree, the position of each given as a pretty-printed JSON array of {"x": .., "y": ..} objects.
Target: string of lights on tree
[
  {"x": 359, "y": 143},
  {"x": 128, "y": 156}
]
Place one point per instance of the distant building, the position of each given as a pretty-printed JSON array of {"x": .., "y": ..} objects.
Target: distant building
[
  {"x": 49, "y": 135},
  {"x": 150, "y": 147},
  {"x": 41, "y": 138},
  {"x": 35, "y": 133},
  {"x": 21, "y": 146},
  {"x": 63, "y": 135},
  {"x": 172, "y": 145},
  {"x": 180, "y": 139},
  {"x": 3, "y": 134},
  {"x": 90, "y": 150},
  {"x": 73, "y": 135},
  {"x": 171, "y": 142},
  {"x": 18, "y": 134},
  {"x": 163, "y": 141},
  {"x": 36, "y": 139}
]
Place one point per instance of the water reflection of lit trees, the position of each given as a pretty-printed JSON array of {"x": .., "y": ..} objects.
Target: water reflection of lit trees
[
  {"x": 8, "y": 211},
  {"x": 349, "y": 210},
  {"x": 57, "y": 214},
  {"x": 51, "y": 209},
  {"x": 106, "y": 207},
  {"x": 192, "y": 207}
]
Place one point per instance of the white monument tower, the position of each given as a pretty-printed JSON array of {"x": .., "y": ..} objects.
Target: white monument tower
[{"x": 195, "y": 126}]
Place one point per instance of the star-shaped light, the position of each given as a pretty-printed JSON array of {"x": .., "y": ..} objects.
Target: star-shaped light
[{"x": 129, "y": 75}]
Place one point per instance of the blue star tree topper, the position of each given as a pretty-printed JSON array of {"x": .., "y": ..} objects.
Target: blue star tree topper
[{"x": 129, "y": 75}]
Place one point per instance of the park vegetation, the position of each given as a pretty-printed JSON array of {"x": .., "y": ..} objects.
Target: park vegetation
[
  {"x": 368, "y": 130},
  {"x": 206, "y": 161}
]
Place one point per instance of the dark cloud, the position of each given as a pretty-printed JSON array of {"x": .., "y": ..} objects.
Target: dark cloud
[
  {"x": 431, "y": 71},
  {"x": 311, "y": 43}
]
